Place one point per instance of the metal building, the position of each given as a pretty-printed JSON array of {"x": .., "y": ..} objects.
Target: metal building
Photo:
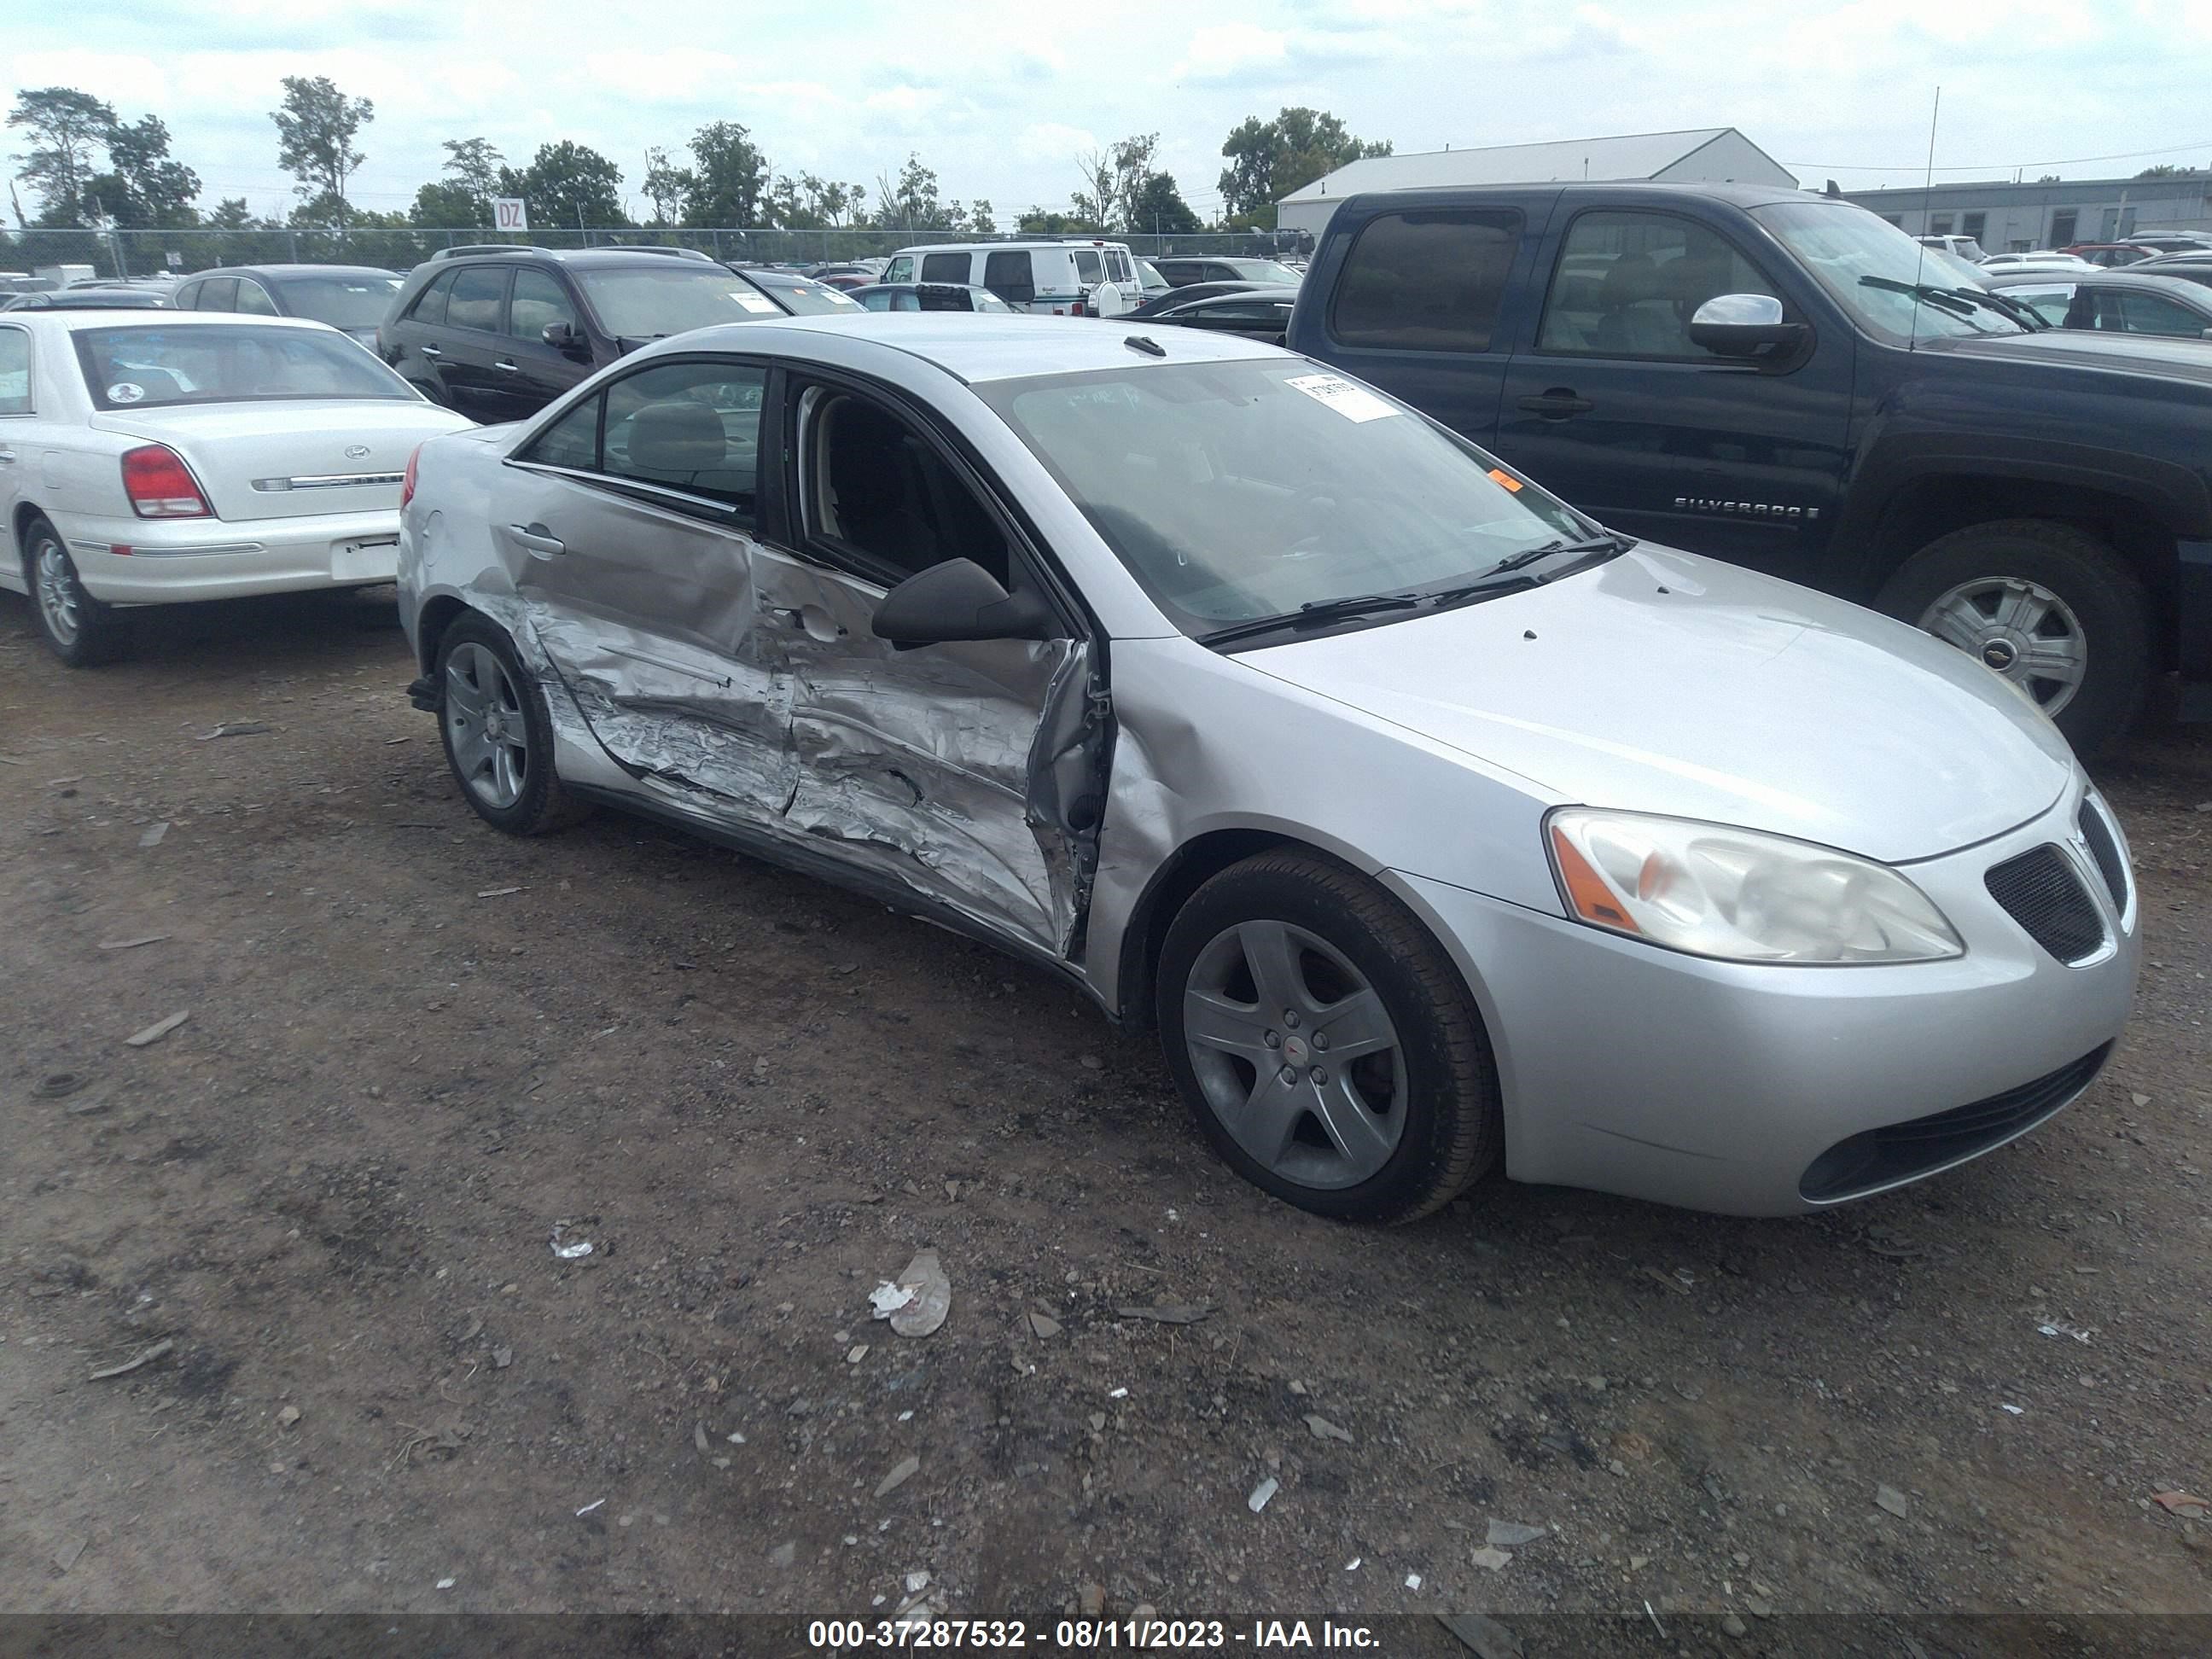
[
  {"x": 2010, "y": 218},
  {"x": 1711, "y": 154}
]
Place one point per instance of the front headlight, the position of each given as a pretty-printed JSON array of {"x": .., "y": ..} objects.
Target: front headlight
[{"x": 1739, "y": 894}]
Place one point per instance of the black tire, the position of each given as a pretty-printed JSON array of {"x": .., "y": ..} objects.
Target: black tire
[
  {"x": 543, "y": 805},
  {"x": 2088, "y": 577},
  {"x": 1453, "y": 1127},
  {"x": 100, "y": 633}
]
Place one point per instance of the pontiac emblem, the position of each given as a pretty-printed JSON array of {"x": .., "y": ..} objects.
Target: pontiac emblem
[{"x": 357, "y": 451}]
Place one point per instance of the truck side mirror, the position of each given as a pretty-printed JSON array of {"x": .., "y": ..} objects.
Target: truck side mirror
[{"x": 1746, "y": 326}]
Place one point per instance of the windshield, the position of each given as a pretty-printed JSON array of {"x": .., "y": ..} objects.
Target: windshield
[
  {"x": 1266, "y": 270},
  {"x": 1239, "y": 490},
  {"x": 146, "y": 367},
  {"x": 347, "y": 303},
  {"x": 1877, "y": 273},
  {"x": 803, "y": 298},
  {"x": 1149, "y": 280},
  {"x": 643, "y": 303}
]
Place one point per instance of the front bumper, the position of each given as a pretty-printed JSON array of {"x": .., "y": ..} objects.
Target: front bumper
[
  {"x": 171, "y": 561},
  {"x": 1723, "y": 1086}
]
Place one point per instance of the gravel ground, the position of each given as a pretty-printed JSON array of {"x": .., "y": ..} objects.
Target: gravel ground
[{"x": 416, "y": 1052}]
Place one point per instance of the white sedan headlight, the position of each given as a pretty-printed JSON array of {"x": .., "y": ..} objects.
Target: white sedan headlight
[{"x": 1739, "y": 894}]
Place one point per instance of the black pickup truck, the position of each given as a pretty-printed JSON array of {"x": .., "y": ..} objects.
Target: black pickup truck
[{"x": 1787, "y": 381}]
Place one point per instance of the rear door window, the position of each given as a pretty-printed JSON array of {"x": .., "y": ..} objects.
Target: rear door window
[
  {"x": 1425, "y": 281},
  {"x": 945, "y": 268},
  {"x": 694, "y": 427},
  {"x": 430, "y": 304},
  {"x": 572, "y": 442},
  {"x": 2148, "y": 314},
  {"x": 1089, "y": 271},
  {"x": 14, "y": 371},
  {"x": 1010, "y": 276},
  {"x": 217, "y": 294},
  {"x": 478, "y": 297},
  {"x": 253, "y": 299}
]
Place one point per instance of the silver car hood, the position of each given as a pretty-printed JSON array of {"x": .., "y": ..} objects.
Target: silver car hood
[{"x": 1665, "y": 683}]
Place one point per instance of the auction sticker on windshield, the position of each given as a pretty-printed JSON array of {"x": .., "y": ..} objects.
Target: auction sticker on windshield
[
  {"x": 754, "y": 302},
  {"x": 1353, "y": 402}
]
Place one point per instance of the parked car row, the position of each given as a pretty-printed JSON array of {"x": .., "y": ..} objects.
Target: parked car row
[{"x": 984, "y": 616}]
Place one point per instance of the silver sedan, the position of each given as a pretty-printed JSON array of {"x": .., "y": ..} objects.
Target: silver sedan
[{"x": 1436, "y": 827}]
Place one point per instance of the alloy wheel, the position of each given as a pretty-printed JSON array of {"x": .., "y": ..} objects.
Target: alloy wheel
[
  {"x": 485, "y": 727},
  {"x": 57, "y": 591},
  {"x": 2020, "y": 629},
  {"x": 1295, "y": 1054}
]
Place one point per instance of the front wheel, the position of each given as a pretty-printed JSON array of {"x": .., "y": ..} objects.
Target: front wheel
[
  {"x": 1324, "y": 1041},
  {"x": 498, "y": 737},
  {"x": 2050, "y": 607},
  {"x": 76, "y": 628}
]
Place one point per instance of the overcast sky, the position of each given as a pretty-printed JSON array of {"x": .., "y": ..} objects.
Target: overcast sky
[{"x": 999, "y": 97}]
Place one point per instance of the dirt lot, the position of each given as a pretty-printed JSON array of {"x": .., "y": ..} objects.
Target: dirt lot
[{"x": 415, "y": 1047}]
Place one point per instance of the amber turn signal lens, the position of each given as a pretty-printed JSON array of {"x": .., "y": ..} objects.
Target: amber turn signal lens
[{"x": 1593, "y": 900}]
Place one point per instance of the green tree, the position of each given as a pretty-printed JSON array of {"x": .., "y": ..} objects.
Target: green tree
[
  {"x": 66, "y": 130},
  {"x": 446, "y": 205},
  {"x": 810, "y": 203},
  {"x": 1158, "y": 208},
  {"x": 152, "y": 189},
  {"x": 473, "y": 165},
  {"x": 567, "y": 184},
  {"x": 912, "y": 202},
  {"x": 981, "y": 221},
  {"x": 1039, "y": 221},
  {"x": 1268, "y": 160},
  {"x": 729, "y": 181},
  {"x": 315, "y": 130},
  {"x": 1112, "y": 177},
  {"x": 2165, "y": 170},
  {"x": 668, "y": 188}
]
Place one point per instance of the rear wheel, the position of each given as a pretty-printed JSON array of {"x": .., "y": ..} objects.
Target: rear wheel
[
  {"x": 2050, "y": 607},
  {"x": 78, "y": 627},
  {"x": 498, "y": 737},
  {"x": 1324, "y": 1041}
]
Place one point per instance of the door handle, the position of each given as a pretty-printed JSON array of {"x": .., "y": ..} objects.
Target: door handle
[
  {"x": 502, "y": 363},
  {"x": 1556, "y": 403},
  {"x": 429, "y": 351},
  {"x": 7, "y": 456},
  {"x": 541, "y": 541}
]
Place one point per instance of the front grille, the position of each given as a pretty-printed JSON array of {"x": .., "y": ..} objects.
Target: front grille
[
  {"x": 2104, "y": 849},
  {"x": 1899, "y": 1152},
  {"x": 2041, "y": 891}
]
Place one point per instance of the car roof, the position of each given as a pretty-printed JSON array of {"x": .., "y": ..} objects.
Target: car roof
[
  {"x": 973, "y": 346},
  {"x": 281, "y": 272},
  {"x": 2148, "y": 282},
  {"x": 1659, "y": 190},
  {"x": 1033, "y": 245},
  {"x": 72, "y": 318}
]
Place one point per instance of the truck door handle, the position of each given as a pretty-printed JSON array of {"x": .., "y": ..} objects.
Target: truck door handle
[
  {"x": 502, "y": 363},
  {"x": 1556, "y": 403},
  {"x": 541, "y": 541},
  {"x": 429, "y": 351},
  {"x": 7, "y": 456}
]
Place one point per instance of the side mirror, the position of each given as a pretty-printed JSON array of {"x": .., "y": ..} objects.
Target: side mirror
[
  {"x": 960, "y": 600},
  {"x": 1746, "y": 326},
  {"x": 563, "y": 337}
]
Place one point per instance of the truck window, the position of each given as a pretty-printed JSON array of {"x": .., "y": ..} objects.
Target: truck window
[
  {"x": 900, "y": 269},
  {"x": 1088, "y": 270},
  {"x": 1627, "y": 284},
  {"x": 1425, "y": 281},
  {"x": 945, "y": 268}
]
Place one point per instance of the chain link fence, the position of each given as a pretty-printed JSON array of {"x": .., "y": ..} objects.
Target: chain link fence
[{"x": 140, "y": 253}]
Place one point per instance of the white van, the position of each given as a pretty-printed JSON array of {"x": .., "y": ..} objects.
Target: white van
[{"x": 1054, "y": 277}]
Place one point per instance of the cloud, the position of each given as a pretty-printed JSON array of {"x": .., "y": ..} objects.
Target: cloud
[{"x": 1225, "y": 53}]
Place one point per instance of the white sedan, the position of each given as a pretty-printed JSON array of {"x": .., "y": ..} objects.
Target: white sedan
[{"x": 151, "y": 459}]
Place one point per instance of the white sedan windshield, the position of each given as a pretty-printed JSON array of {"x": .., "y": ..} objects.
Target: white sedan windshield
[
  {"x": 143, "y": 367},
  {"x": 1240, "y": 490}
]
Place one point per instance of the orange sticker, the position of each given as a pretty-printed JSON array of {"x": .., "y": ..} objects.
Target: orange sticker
[{"x": 1500, "y": 477}]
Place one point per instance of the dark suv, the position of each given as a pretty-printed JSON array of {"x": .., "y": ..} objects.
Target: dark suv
[
  {"x": 350, "y": 297},
  {"x": 497, "y": 332}
]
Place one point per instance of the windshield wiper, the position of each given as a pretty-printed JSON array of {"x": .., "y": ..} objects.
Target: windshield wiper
[
  {"x": 1522, "y": 561},
  {"x": 1314, "y": 613},
  {"x": 1958, "y": 301}
]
